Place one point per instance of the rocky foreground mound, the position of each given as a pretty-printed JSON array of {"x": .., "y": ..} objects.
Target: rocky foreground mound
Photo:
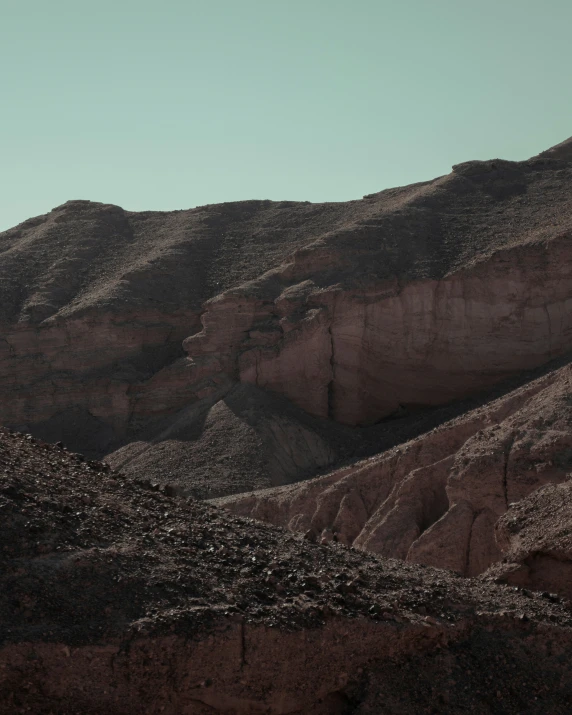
[
  {"x": 116, "y": 598},
  {"x": 141, "y": 331}
]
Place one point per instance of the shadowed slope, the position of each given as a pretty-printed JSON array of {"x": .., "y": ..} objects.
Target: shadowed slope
[{"x": 248, "y": 439}]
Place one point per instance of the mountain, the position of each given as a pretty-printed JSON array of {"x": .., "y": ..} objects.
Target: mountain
[
  {"x": 386, "y": 383},
  {"x": 117, "y": 327}
]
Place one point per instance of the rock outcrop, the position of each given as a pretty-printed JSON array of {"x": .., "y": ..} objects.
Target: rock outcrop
[
  {"x": 358, "y": 355},
  {"x": 116, "y": 598},
  {"x": 436, "y": 500},
  {"x": 95, "y": 301},
  {"x": 444, "y": 289}
]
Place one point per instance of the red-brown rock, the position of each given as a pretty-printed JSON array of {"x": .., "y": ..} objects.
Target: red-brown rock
[
  {"x": 413, "y": 296},
  {"x": 436, "y": 500}
]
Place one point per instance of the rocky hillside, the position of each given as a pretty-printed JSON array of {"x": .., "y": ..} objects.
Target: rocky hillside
[
  {"x": 535, "y": 535},
  {"x": 387, "y": 383},
  {"x": 96, "y": 300},
  {"x": 116, "y": 598},
  {"x": 133, "y": 331}
]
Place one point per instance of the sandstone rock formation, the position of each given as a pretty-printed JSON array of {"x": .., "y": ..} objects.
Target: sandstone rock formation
[
  {"x": 436, "y": 291},
  {"x": 117, "y": 598},
  {"x": 437, "y": 499}
]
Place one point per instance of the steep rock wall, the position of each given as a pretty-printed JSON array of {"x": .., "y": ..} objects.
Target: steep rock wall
[
  {"x": 357, "y": 355},
  {"x": 57, "y": 374}
]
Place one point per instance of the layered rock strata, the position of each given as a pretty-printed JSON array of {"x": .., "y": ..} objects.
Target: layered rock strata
[{"x": 357, "y": 355}]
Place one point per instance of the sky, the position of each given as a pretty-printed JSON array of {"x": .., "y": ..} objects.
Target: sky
[{"x": 171, "y": 104}]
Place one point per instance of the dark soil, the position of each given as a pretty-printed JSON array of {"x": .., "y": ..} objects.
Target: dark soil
[
  {"x": 88, "y": 554},
  {"x": 90, "y": 557}
]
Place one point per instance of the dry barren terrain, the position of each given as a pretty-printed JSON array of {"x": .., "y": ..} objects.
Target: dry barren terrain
[{"x": 282, "y": 457}]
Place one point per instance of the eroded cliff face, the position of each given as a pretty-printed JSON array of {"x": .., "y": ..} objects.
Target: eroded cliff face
[
  {"x": 415, "y": 296},
  {"x": 358, "y": 355},
  {"x": 436, "y": 500},
  {"x": 72, "y": 378},
  {"x": 95, "y": 301}
]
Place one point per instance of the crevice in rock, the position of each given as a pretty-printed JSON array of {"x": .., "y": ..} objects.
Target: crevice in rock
[
  {"x": 332, "y": 369},
  {"x": 203, "y": 705},
  {"x": 256, "y": 369},
  {"x": 549, "y": 322},
  {"x": 468, "y": 546},
  {"x": 435, "y": 505},
  {"x": 243, "y": 660},
  {"x": 505, "y": 468},
  {"x": 10, "y": 347}
]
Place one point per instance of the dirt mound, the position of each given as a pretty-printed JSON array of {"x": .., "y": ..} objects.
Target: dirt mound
[
  {"x": 248, "y": 439},
  {"x": 117, "y": 598},
  {"x": 535, "y": 536}
]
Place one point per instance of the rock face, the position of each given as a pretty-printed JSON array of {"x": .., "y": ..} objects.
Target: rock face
[
  {"x": 357, "y": 355},
  {"x": 116, "y": 598},
  {"x": 352, "y": 311},
  {"x": 95, "y": 301},
  {"x": 387, "y": 313},
  {"x": 436, "y": 500}
]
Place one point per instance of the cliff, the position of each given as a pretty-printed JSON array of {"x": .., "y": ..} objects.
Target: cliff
[{"x": 116, "y": 324}]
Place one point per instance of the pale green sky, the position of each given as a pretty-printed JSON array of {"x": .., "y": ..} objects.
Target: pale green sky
[{"x": 177, "y": 103}]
